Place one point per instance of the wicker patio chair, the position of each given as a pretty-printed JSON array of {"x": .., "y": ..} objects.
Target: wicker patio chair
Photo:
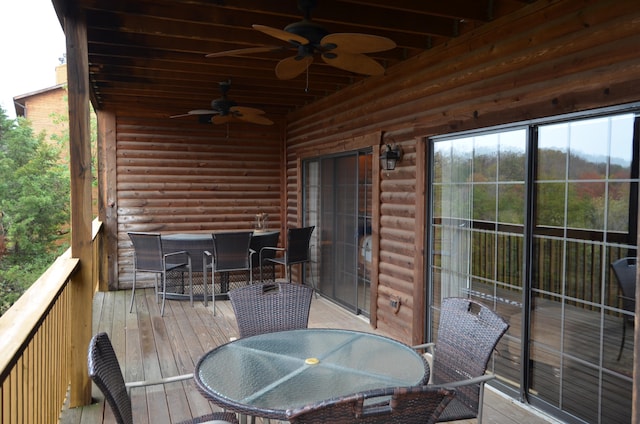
[
  {"x": 105, "y": 371},
  {"x": 149, "y": 257},
  {"x": 402, "y": 405},
  {"x": 270, "y": 307},
  {"x": 262, "y": 249},
  {"x": 295, "y": 252},
  {"x": 230, "y": 253},
  {"x": 467, "y": 335},
  {"x": 625, "y": 272}
]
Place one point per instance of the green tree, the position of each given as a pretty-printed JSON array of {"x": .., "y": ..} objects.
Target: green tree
[{"x": 34, "y": 206}]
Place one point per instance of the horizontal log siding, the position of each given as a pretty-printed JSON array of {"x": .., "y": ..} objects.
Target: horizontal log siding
[
  {"x": 398, "y": 240},
  {"x": 188, "y": 177},
  {"x": 494, "y": 75}
]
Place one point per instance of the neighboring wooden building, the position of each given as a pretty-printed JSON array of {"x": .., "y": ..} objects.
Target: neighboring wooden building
[{"x": 537, "y": 65}]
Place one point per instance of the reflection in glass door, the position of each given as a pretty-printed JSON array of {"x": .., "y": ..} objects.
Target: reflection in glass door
[
  {"x": 586, "y": 193},
  {"x": 477, "y": 231},
  {"x": 337, "y": 199},
  {"x": 538, "y": 247}
]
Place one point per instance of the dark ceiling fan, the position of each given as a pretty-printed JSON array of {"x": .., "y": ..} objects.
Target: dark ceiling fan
[
  {"x": 224, "y": 110},
  {"x": 341, "y": 50}
]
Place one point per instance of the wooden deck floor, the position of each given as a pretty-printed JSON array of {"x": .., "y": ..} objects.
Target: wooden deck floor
[{"x": 150, "y": 346}]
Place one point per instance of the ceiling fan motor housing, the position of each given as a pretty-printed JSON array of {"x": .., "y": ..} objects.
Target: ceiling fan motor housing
[
  {"x": 223, "y": 105},
  {"x": 309, "y": 30}
]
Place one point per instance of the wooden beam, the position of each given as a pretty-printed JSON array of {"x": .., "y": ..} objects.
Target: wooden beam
[
  {"x": 107, "y": 207},
  {"x": 80, "y": 169}
]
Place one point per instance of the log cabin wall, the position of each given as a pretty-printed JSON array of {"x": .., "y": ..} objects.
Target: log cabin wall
[
  {"x": 576, "y": 55},
  {"x": 181, "y": 176}
]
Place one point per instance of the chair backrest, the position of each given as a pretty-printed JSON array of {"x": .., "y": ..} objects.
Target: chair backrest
[
  {"x": 147, "y": 251},
  {"x": 468, "y": 333},
  {"x": 405, "y": 405},
  {"x": 298, "y": 240},
  {"x": 231, "y": 250},
  {"x": 105, "y": 371},
  {"x": 261, "y": 240},
  {"x": 270, "y": 307},
  {"x": 625, "y": 272}
]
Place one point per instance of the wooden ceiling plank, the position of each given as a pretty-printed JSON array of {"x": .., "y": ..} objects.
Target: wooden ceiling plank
[{"x": 455, "y": 9}]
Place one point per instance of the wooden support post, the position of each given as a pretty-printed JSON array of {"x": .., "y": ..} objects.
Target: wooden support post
[
  {"x": 107, "y": 207},
  {"x": 80, "y": 169}
]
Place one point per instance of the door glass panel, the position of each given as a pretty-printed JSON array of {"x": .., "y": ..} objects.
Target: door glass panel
[
  {"x": 312, "y": 212},
  {"x": 338, "y": 194},
  {"x": 578, "y": 351},
  {"x": 345, "y": 215},
  {"x": 478, "y": 182},
  {"x": 576, "y": 320},
  {"x": 365, "y": 223}
]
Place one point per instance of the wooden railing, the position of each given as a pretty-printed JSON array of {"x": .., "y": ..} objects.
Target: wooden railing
[
  {"x": 579, "y": 260},
  {"x": 35, "y": 345}
]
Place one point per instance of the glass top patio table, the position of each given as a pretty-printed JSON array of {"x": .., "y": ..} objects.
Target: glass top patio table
[
  {"x": 195, "y": 244},
  {"x": 267, "y": 374}
]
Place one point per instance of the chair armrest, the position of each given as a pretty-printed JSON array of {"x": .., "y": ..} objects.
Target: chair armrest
[
  {"x": 425, "y": 346},
  {"x": 165, "y": 380},
  {"x": 270, "y": 248},
  {"x": 470, "y": 381},
  {"x": 205, "y": 256},
  {"x": 180, "y": 252}
]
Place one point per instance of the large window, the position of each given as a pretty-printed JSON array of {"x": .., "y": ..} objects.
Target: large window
[{"x": 528, "y": 220}]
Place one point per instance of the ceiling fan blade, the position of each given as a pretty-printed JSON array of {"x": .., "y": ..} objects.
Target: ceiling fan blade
[
  {"x": 221, "y": 119},
  {"x": 248, "y": 50},
  {"x": 243, "y": 110},
  {"x": 292, "y": 66},
  {"x": 281, "y": 34},
  {"x": 255, "y": 119},
  {"x": 357, "y": 43},
  {"x": 353, "y": 62},
  {"x": 196, "y": 112},
  {"x": 250, "y": 114},
  {"x": 202, "y": 112}
]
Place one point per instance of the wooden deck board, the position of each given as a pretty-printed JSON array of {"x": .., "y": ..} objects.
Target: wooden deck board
[{"x": 150, "y": 346}]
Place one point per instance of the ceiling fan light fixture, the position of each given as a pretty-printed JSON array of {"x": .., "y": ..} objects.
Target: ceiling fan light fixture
[{"x": 390, "y": 157}]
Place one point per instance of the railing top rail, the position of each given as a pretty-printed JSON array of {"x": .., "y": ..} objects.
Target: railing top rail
[{"x": 18, "y": 324}]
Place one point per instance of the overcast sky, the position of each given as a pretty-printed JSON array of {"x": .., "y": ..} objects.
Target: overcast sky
[{"x": 33, "y": 42}]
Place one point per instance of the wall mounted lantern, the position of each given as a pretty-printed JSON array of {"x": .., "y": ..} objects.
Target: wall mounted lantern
[{"x": 390, "y": 157}]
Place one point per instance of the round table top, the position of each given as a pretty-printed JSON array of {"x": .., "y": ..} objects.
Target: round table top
[
  {"x": 187, "y": 236},
  {"x": 267, "y": 374},
  {"x": 195, "y": 244},
  {"x": 199, "y": 236}
]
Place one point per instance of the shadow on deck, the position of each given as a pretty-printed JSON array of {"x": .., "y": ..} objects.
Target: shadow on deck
[{"x": 149, "y": 346}]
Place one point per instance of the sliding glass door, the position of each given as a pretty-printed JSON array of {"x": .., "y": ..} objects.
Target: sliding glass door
[
  {"x": 529, "y": 221},
  {"x": 337, "y": 193}
]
